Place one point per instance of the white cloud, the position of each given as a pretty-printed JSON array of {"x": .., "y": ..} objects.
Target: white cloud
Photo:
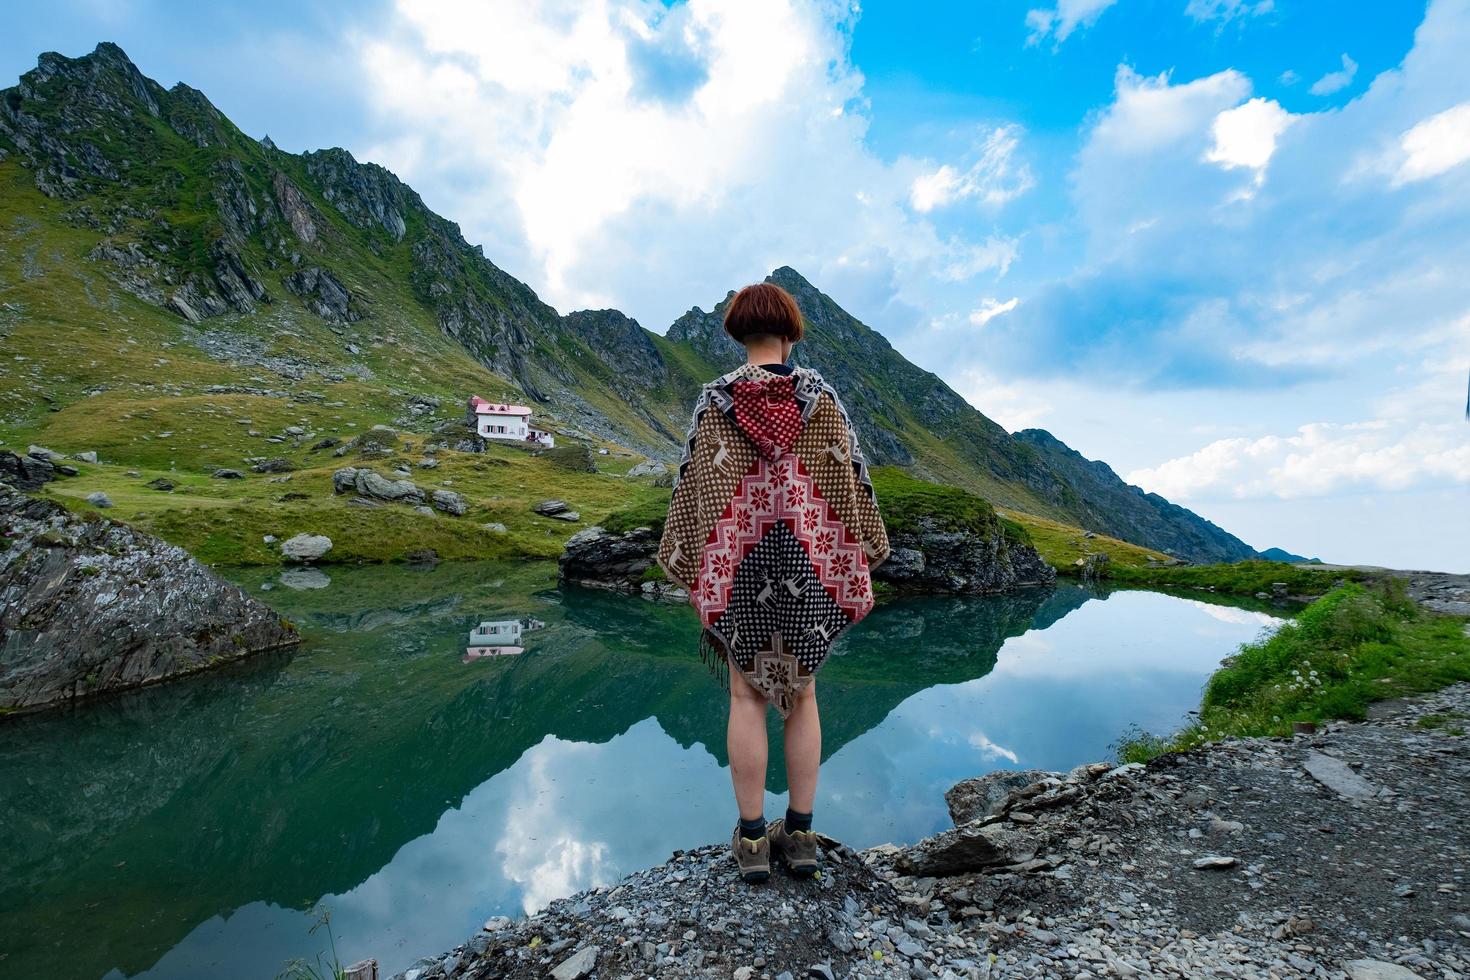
[
  {"x": 603, "y": 151},
  {"x": 1227, "y": 10},
  {"x": 1149, "y": 114},
  {"x": 1436, "y": 145},
  {"x": 1246, "y": 135},
  {"x": 1319, "y": 459},
  {"x": 993, "y": 179},
  {"x": 990, "y": 308},
  {"x": 1335, "y": 81},
  {"x": 1060, "y": 21}
]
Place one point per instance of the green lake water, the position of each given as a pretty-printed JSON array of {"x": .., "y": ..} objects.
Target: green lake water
[{"x": 383, "y": 772}]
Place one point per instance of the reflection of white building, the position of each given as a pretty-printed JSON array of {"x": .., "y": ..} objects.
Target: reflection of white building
[
  {"x": 502, "y": 420},
  {"x": 498, "y": 638}
]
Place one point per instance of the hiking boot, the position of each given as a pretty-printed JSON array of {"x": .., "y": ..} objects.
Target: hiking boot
[
  {"x": 752, "y": 856},
  {"x": 798, "y": 849}
]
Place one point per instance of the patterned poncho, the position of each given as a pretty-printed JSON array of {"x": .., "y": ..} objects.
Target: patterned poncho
[{"x": 773, "y": 527}]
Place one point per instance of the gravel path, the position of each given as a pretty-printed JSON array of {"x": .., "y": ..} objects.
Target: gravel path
[{"x": 1230, "y": 861}]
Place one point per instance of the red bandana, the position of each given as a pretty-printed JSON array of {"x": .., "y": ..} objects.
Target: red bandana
[{"x": 766, "y": 411}]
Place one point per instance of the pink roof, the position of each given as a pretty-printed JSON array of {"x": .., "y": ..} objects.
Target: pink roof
[{"x": 482, "y": 407}]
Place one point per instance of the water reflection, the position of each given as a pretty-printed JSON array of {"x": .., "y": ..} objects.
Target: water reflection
[
  {"x": 499, "y": 638},
  {"x": 184, "y": 830}
]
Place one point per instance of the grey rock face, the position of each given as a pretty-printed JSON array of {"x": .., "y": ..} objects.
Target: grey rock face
[
  {"x": 306, "y": 547},
  {"x": 985, "y": 796},
  {"x": 600, "y": 559},
  {"x": 938, "y": 559},
  {"x": 323, "y": 294},
  {"x": 90, "y": 605},
  {"x": 450, "y": 502},
  {"x": 26, "y": 472}
]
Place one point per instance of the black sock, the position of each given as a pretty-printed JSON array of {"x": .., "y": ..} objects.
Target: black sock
[
  {"x": 797, "y": 821},
  {"x": 753, "y": 829}
]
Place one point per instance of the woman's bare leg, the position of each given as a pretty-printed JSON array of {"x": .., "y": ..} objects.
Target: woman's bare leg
[
  {"x": 745, "y": 741},
  {"x": 803, "y": 738}
]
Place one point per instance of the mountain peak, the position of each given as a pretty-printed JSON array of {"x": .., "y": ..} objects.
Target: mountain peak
[{"x": 788, "y": 278}]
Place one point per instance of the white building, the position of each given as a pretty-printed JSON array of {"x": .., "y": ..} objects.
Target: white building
[{"x": 502, "y": 420}]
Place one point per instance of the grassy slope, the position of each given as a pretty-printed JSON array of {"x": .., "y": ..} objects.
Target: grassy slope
[
  {"x": 68, "y": 330},
  {"x": 1240, "y": 578},
  {"x": 1351, "y": 647}
]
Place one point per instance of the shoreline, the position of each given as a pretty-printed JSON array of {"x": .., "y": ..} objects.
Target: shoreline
[{"x": 1337, "y": 854}]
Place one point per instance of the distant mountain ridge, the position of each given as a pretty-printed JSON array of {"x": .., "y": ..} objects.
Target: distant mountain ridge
[{"x": 193, "y": 217}]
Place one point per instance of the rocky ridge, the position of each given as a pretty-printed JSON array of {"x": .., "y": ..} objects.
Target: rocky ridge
[
  {"x": 89, "y": 606},
  {"x": 1249, "y": 858},
  {"x": 214, "y": 228}
]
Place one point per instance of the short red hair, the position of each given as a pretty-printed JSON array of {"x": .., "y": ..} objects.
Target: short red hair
[{"x": 763, "y": 308}]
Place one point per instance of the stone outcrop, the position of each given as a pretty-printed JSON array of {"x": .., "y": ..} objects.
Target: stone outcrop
[
  {"x": 601, "y": 559},
  {"x": 26, "y": 472},
  {"x": 372, "y": 486},
  {"x": 89, "y": 606},
  {"x": 985, "y": 796},
  {"x": 936, "y": 558}
]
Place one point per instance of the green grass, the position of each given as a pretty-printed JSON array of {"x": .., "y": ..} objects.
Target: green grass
[
  {"x": 904, "y": 499},
  {"x": 649, "y": 513},
  {"x": 1063, "y": 546},
  {"x": 1355, "y": 645},
  {"x": 1240, "y": 578}
]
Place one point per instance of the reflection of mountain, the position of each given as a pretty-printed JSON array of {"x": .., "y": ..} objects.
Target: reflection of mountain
[{"x": 303, "y": 778}]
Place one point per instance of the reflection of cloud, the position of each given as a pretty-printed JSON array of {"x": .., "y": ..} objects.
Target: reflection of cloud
[
  {"x": 539, "y": 851},
  {"x": 1232, "y": 614},
  {"x": 990, "y": 750},
  {"x": 1132, "y": 633}
]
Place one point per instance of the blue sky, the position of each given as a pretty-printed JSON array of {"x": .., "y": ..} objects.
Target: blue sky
[{"x": 1217, "y": 243}]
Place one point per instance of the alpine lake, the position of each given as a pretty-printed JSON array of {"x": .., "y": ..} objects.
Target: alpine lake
[{"x": 469, "y": 740}]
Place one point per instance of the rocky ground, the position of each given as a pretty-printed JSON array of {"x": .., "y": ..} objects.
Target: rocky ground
[{"x": 1338, "y": 854}]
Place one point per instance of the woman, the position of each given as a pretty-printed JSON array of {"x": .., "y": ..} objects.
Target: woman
[{"x": 773, "y": 530}]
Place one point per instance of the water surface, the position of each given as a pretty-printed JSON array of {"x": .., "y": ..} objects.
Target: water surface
[{"x": 416, "y": 779}]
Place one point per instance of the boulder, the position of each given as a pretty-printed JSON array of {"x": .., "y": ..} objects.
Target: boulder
[
  {"x": 25, "y": 472},
  {"x": 450, "y": 502},
  {"x": 228, "y": 475},
  {"x": 579, "y": 964},
  {"x": 551, "y": 507},
  {"x": 306, "y": 547},
  {"x": 278, "y": 464},
  {"x": 86, "y": 457},
  {"x": 162, "y": 483},
  {"x": 89, "y": 605},
  {"x": 964, "y": 849},
  {"x": 371, "y": 484},
  {"x": 986, "y": 796},
  {"x": 99, "y": 499},
  {"x": 649, "y": 467},
  {"x": 41, "y": 452}
]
